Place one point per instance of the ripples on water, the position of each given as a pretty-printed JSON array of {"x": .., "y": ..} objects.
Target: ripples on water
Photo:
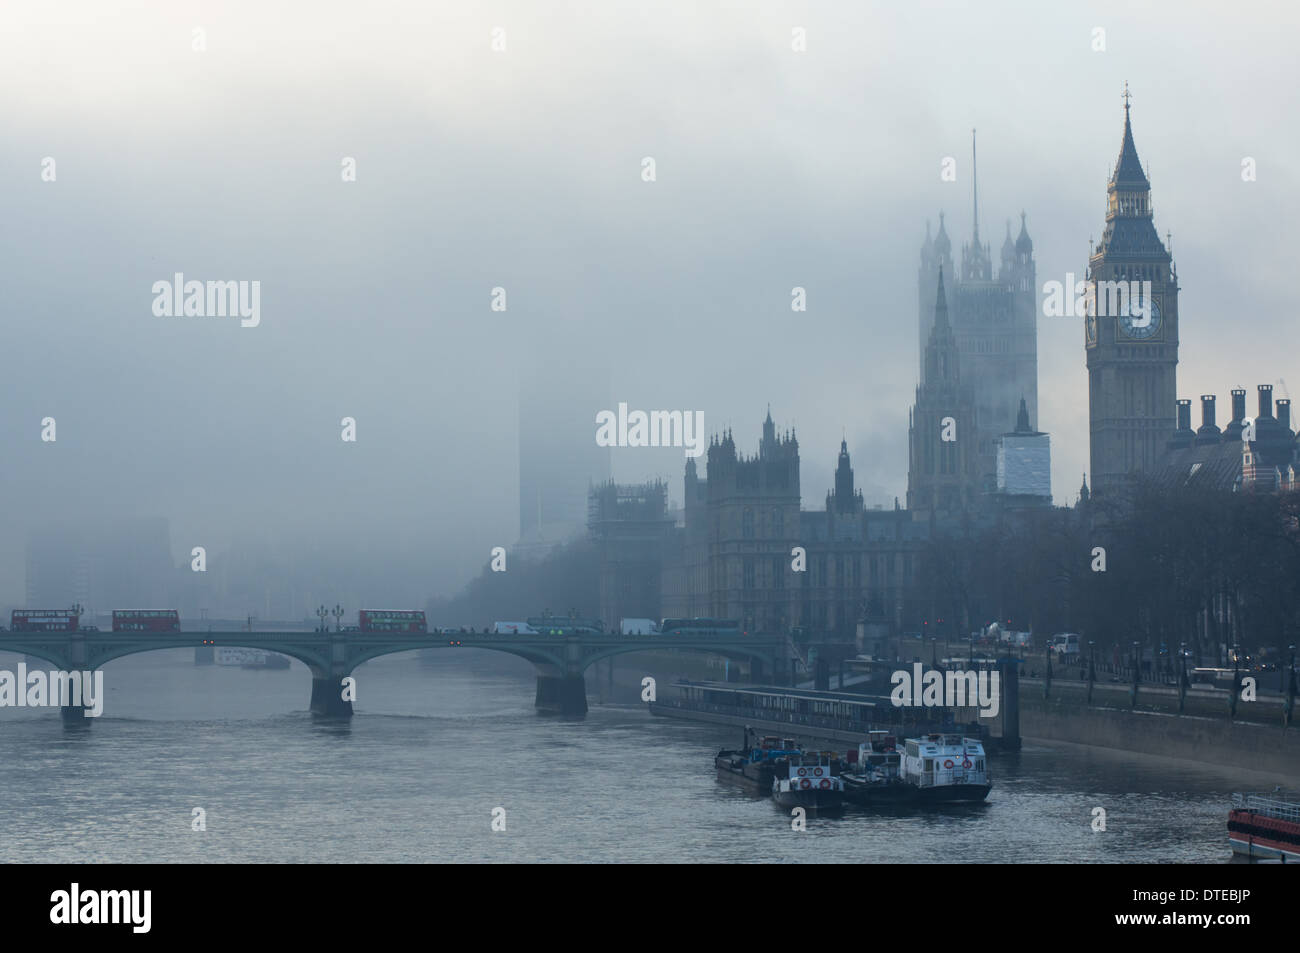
[{"x": 432, "y": 750}]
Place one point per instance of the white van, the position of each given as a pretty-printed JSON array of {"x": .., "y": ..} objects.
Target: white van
[
  {"x": 513, "y": 628},
  {"x": 1066, "y": 646}
]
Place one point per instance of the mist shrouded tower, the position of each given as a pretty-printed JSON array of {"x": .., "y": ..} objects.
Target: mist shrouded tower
[
  {"x": 1132, "y": 356},
  {"x": 942, "y": 473},
  {"x": 558, "y": 456},
  {"x": 994, "y": 318}
]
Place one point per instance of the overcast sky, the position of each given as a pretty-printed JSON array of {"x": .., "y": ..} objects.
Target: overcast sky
[{"x": 522, "y": 169}]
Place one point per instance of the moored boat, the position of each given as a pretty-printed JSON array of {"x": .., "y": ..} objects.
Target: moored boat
[
  {"x": 810, "y": 780},
  {"x": 250, "y": 658},
  {"x": 945, "y": 768},
  {"x": 872, "y": 774},
  {"x": 1265, "y": 826},
  {"x": 753, "y": 766}
]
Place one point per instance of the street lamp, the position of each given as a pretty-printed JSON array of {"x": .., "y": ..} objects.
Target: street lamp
[
  {"x": 1092, "y": 666},
  {"x": 323, "y": 614},
  {"x": 337, "y": 612},
  {"x": 1288, "y": 706},
  {"x": 1133, "y": 689},
  {"x": 1236, "y": 677},
  {"x": 1182, "y": 676}
]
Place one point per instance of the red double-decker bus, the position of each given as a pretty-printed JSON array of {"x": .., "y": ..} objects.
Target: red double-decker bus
[
  {"x": 43, "y": 620},
  {"x": 146, "y": 620},
  {"x": 393, "y": 620}
]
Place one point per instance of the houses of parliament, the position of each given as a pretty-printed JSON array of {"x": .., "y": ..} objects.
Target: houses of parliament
[{"x": 975, "y": 451}]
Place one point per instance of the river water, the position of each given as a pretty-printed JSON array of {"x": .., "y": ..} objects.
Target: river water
[{"x": 434, "y": 749}]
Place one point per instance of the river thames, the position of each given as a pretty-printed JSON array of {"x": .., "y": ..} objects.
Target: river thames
[{"x": 435, "y": 750}]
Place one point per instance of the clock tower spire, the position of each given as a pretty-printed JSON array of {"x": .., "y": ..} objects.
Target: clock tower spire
[{"x": 1131, "y": 328}]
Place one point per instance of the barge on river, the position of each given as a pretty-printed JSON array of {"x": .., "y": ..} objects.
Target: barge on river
[
  {"x": 946, "y": 768},
  {"x": 873, "y": 775},
  {"x": 1265, "y": 826},
  {"x": 810, "y": 780},
  {"x": 753, "y": 766}
]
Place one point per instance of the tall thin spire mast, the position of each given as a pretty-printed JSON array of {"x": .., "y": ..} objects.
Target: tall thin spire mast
[{"x": 975, "y": 186}]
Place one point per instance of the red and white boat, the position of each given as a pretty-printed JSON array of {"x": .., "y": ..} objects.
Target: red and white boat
[{"x": 1265, "y": 826}]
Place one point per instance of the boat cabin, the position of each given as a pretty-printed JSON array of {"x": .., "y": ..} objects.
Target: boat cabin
[{"x": 938, "y": 760}]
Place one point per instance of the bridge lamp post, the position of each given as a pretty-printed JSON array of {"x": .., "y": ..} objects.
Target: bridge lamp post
[
  {"x": 77, "y": 609},
  {"x": 322, "y": 613},
  {"x": 337, "y": 612}
]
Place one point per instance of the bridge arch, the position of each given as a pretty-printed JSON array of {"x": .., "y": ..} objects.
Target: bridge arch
[
  {"x": 56, "y": 658},
  {"x": 308, "y": 655},
  {"x": 530, "y": 653},
  {"x": 736, "y": 653}
]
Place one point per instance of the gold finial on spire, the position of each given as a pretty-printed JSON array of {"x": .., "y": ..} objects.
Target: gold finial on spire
[{"x": 1127, "y": 95}]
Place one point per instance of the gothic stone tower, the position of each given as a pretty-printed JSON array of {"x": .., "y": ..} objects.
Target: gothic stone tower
[
  {"x": 943, "y": 474},
  {"x": 995, "y": 322},
  {"x": 753, "y": 521},
  {"x": 1132, "y": 355}
]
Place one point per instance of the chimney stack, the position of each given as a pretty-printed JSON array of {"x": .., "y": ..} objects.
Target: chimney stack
[
  {"x": 1234, "y": 428},
  {"x": 1266, "y": 400},
  {"x": 1183, "y": 436},
  {"x": 1284, "y": 413},
  {"x": 1209, "y": 432}
]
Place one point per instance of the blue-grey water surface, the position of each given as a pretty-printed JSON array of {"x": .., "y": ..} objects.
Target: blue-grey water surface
[{"x": 432, "y": 750}]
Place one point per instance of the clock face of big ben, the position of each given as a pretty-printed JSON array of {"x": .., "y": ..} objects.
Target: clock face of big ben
[{"x": 1140, "y": 317}]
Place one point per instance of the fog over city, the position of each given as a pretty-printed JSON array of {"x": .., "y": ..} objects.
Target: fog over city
[{"x": 522, "y": 169}]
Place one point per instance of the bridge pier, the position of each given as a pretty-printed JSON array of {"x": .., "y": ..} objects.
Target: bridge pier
[
  {"x": 74, "y": 716},
  {"x": 327, "y": 697},
  {"x": 562, "y": 695}
]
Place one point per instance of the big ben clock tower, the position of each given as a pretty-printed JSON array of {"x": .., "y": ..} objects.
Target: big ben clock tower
[{"x": 1131, "y": 340}]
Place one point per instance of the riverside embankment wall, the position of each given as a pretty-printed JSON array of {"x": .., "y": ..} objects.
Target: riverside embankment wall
[{"x": 1215, "y": 740}]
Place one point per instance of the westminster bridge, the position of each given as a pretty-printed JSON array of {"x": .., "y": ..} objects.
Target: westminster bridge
[{"x": 560, "y": 661}]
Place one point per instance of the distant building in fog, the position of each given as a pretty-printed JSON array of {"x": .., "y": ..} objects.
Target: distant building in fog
[
  {"x": 1132, "y": 359},
  {"x": 118, "y": 565},
  {"x": 630, "y": 525},
  {"x": 734, "y": 557},
  {"x": 943, "y": 430},
  {"x": 994, "y": 323},
  {"x": 559, "y": 460}
]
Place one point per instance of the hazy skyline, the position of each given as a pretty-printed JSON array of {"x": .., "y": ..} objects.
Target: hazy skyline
[{"x": 521, "y": 169}]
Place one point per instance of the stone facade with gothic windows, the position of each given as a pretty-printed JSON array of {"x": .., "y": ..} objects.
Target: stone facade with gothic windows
[{"x": 735, "y": 554}]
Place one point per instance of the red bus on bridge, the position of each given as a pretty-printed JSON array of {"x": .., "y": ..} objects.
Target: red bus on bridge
[
  {"x": 43, "y": 620},
  {"x": 146, "y": 620},
  {"x": 393, "y": 620}
]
